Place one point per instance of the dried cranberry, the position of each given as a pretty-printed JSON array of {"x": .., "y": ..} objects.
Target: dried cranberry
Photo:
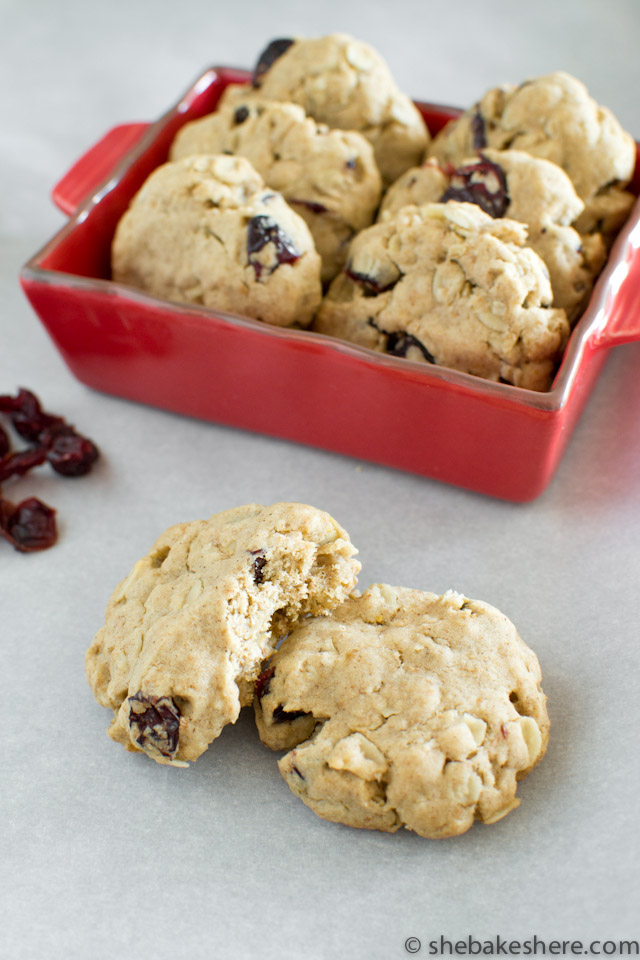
[
  {"x": 269, "y": 55},
  {"x": 17, "y": 464},
  {"x": 263, "y": 230},
  {"x": 69, "y": 453},
  {"x": 399, "y": 345},
  {"x": 372, "y": 287},
  {"x": 280, "y": 715},
  {"x": 155, "y": 721},
  {"x": 240, "y": 115},
  {"x": 264, "y": 682},
  {"x": 310, "y": 205},
  {"x": 27, "y": 415},
  {"x": 294, "y": 769},
  {"x": 481, "y": 182},
  {"x": 5, "y": 443},
  {"x": 258, "y": 568},
  {"x": 29, "y": 526},
  {"x": 478, "y": 131}
]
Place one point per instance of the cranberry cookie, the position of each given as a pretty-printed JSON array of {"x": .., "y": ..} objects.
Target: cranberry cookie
[
  {"x": 555, "y": 118},
  {"x": 329, "y": 177},
  {"x": 205, "y": 230},
  {"x": 346, "y": 84},
  {"x": 403, "y": 708},
  {"x": 536, "y": 192},
  {"x": 187, "y": 630},
  {"x": 446, "y": 283}
]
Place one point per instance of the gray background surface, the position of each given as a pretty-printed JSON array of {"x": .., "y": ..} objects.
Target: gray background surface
[{"x": 105, "y": 854}]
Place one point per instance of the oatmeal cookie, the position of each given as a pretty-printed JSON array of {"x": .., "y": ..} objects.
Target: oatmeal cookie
[
  {"x": 536, "y": 192},
  {"x": 346, "y": 84},
  {"x": 555, "y": 118},
  {"x": 187, "y": 630},
  {"x": 446, "y": 283},
  {"x": 329, "y": 177},
  {"x": 405, "y": 709},
  {"x": 205, "y": 230}
]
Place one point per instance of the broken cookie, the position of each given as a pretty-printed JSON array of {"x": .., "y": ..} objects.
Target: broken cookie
[{"x": 187, "y": 631}]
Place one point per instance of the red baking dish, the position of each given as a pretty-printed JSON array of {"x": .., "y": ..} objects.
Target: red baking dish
[{"x": 490, "y": 437}]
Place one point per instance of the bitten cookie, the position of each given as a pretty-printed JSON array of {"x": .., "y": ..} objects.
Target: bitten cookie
[
  {"x": 206, "y": 230},
  {"x": 329, "y": 177},
  {"x": 445, "y": 283},
  {"x": 403, "y": 708},
  {"x": 555, "y": 118},
  {"x": 536, "y": 192},
  {"x": 187, "y": 630},
  {"x": 346, "y": 84}
]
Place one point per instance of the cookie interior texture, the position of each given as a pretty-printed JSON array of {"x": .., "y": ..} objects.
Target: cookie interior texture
[
  {"x": 404, "y": 708},
  {"x": 186, "y": 632}
]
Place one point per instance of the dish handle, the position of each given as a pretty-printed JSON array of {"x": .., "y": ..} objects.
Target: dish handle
[
  {"x": 623, "y": 312},
  {"x": 94, "y": 165}
]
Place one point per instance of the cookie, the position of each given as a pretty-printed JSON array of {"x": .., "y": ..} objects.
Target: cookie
[
  {"x": 405, "y": 709},
  {"x": 445, "y": 283},
  {"x": 536, "y": 192},
  {"x": 417, "y": 185},
  {"x": 346, "y": 84},
  {"x": 555, "y": 118},
  {"x": 329, "y": 177},
  {"x": 205, "y": 230},
  {"x": 187, "y": 630}
]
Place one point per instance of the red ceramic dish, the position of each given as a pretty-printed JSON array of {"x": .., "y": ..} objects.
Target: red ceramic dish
[{"x": 490, "y": 437}]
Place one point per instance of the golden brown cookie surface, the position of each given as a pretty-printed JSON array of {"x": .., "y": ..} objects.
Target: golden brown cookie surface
[
  {"x": 445, "y": 283},
  {"x": 329, "y": 177},
  {"x": 346, "y": 84},
  {"x": 555, "y": 118},
  {"x": 403, "y": 708},
  {"x": 531, "y": 190},
  {"x": 205, "y": 230}
]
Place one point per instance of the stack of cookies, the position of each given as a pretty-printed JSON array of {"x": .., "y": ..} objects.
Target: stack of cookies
[
  {"x": 397, "y": 707},
  {"x": 315, "y": 197}
]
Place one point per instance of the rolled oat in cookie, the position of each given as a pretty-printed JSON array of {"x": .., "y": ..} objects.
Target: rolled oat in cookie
[
  {"x": 206, "y": 230},
  {"x": 187, "y": 631},
  {"x": 531, "y": 190},
  {"x": 405, "y": 709},
  {"x": 346, "y": 84},
  {"x": 445, "y": 283},
  {"x": 328, "y": 176},
  {"x": 553, "y": 117}
]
